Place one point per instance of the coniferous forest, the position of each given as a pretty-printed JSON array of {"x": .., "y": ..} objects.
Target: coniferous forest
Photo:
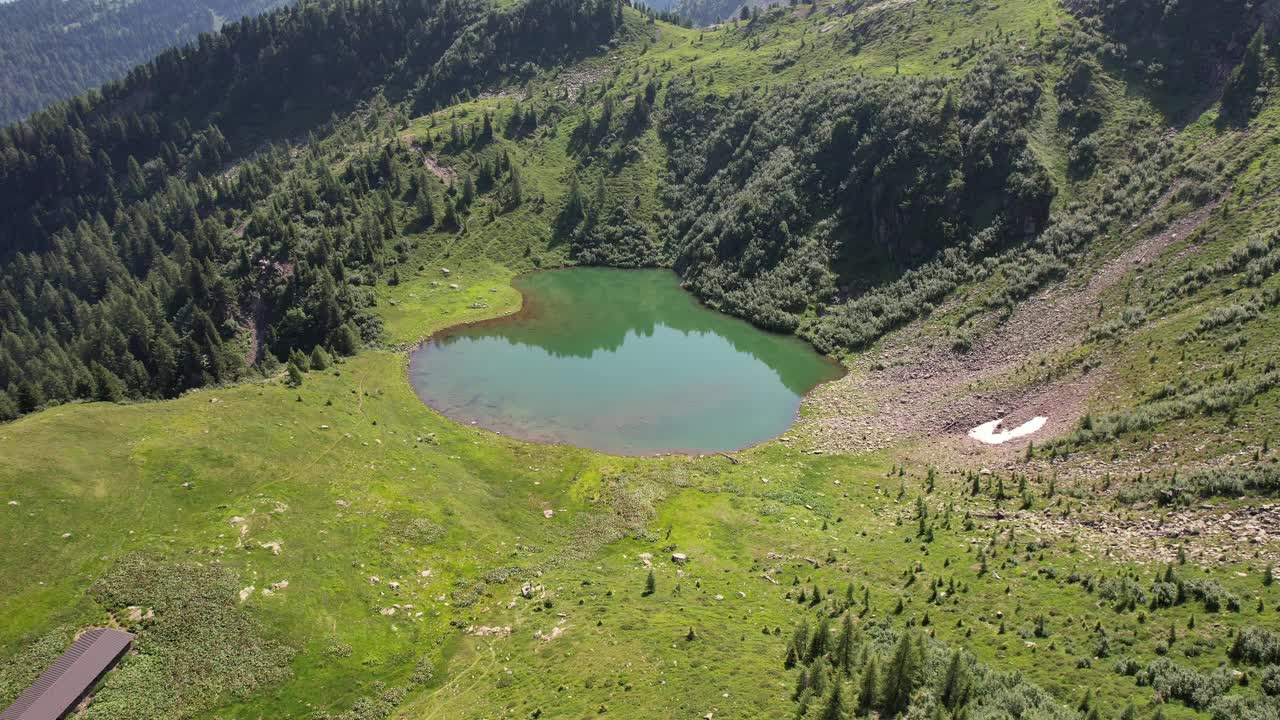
[
  {"x": 120, "y": 278},
  {"x": 51, "y": 50},
  {"x": 1026, "y": 252}
]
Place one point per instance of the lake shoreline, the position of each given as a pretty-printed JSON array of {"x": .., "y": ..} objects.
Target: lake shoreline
[{"x": 626, "y": 362}]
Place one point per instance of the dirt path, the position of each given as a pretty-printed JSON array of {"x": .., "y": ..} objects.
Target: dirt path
[
  {"x": 918, "y": 387},
  {"x": 454, "y": 686}
]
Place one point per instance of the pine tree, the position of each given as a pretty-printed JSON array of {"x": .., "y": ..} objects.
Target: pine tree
[
  {"x": 842, "y": 655},
  {"x": 453, "y": 212},
  {"x": 834, "y": 709},
  {"x": 468, "y": 191},
  {"x": 108, "y": 386},
  {"x": 295, "y": 375},
  {"x": 869, "y": 690},
  {"x": 320, "y": 359},
  {"x": 802, "y": 704},
  {"x": 298, "y": 358},
  {"x": 29, "y": 396},
  {"x": 821, "y": 639},
  {"x": 901, "y": 677},
  {"x": 426, "y": 207},
  {"x": 346, "y": 341},
  {"x": 820, "y": 677},
  {"x": 137, "y": 182},
  {"x": 8, "y": 407},
  {"x": 515, "y": 189},
  {"x": 800, "y": 639},
  {"x": 802, "y": 684},
  {"x": 955, "y": 684},
  {"x": 597, "y": 207},
  {"x": 650, "y": 584}
]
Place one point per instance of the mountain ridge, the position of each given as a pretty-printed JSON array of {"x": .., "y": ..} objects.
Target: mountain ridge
[{"x": 983, "y": 210}]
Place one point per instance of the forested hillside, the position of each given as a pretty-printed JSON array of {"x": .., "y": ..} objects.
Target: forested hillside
[
  {"x": 51, "y": 50},
  {"x": 119, "y": 275},
  {"x": 1059, "y": 213}
]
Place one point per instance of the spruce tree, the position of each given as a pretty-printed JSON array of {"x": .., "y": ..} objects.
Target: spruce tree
[
  {"x": 954, "y": 692},
  {"x": 468, "y": 190},
  {"x": 800, "y": 639},
  {"x": 901, "y": 677},
  {"x": 298, "y": 358},
  {"x": 574, "y": 208},
  {"x": 29, "y": 396},
  {"x": 8, "y": 408},
  {"x": 346, "y": 341},
  {"x": 295, "y": 375},
  {"x": 802, "y": 704},
  {"x": 869, "y": 687},
  {"x": 426, "y": 207},
  {"x": 821, "y": 638},
  {"x": 802, "y": 684},
  {"x": 842, "y": 656},
  {"x": 515, "y": 189},
  {"x": 834, "y": 709},
  {"x": 650, "y": 584},
  {"x": 108, "y": 386},
  {"x": 820, "y": 677},
  {"x": 320, "y": 359}
]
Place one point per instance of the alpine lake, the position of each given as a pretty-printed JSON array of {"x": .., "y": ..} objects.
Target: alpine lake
[{"x": 621, "y": 361}]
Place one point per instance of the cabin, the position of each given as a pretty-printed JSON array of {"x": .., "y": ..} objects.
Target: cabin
[{"x": 68, "y": 681}]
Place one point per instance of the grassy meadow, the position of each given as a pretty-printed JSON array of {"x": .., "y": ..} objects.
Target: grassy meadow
[{"x": 340, "y": 550}]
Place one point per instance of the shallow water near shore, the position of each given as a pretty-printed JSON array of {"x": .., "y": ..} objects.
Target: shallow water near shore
[{"x": 621, "y": 361}]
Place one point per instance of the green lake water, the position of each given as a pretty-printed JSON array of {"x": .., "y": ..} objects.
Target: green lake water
[{"x": 622, "y": 361}]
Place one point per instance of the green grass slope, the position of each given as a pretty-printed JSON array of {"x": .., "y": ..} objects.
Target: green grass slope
[{"x": 339, "y": 550}]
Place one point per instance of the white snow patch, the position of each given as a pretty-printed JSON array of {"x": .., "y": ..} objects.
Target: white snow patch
[{"x": 994, "y": 433}]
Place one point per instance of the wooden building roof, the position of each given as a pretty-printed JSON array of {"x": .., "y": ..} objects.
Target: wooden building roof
[{"x": 57, "y": 692}]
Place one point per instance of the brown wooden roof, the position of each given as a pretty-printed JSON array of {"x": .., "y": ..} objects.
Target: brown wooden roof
[{"x": 61, "y": 687}]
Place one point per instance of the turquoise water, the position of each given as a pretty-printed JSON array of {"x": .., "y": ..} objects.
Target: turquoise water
[{"x": 622, "y": 361}]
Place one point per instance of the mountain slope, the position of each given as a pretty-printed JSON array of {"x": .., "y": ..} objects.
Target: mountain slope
[
  {"x": 130, "y": 221},
  {"x": 52, "y": 50},
  {"x": 983, "y": 210}
]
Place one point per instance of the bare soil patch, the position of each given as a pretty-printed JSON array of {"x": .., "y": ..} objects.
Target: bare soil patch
[
  {"x": 1206, "y": 534},
  {"x": 917, "y": 386}
]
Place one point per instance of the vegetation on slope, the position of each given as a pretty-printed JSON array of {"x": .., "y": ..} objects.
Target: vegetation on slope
[
  {"x": 374, "y": 554},
  {"x": 131, "y": 282},
  {"x": 52, "y": 50}
]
